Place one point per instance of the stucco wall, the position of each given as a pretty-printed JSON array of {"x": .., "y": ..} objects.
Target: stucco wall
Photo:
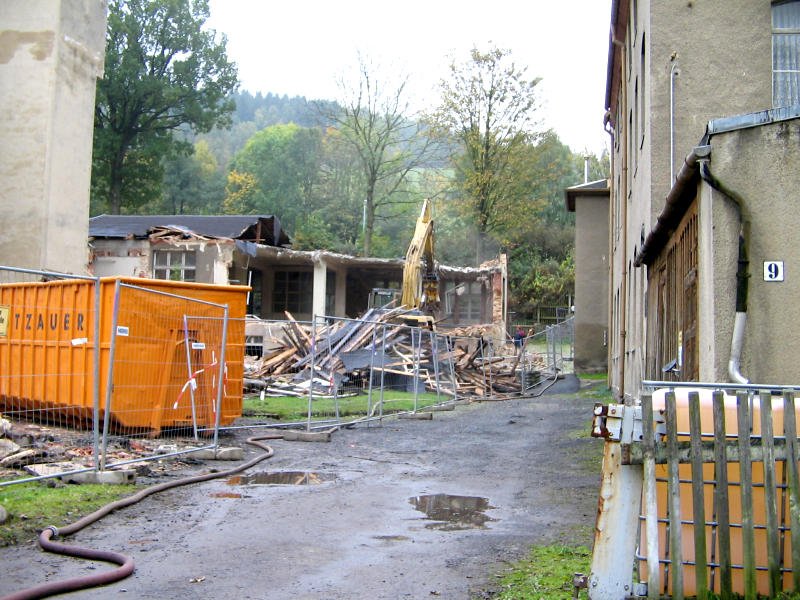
[
  {"x": 682, "y": 64},
  {"x": 591, "y": 283},
  {"x": 134, "y": 258},
  {"x": 128, "y": 258},
  {"x": 51, "y": 52},
  {"x": 762, "y": 166}
]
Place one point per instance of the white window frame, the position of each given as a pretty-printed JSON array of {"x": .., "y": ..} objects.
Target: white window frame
[
  {"x": 175, "y": 264},
  {"x": 782, "y": 70}
]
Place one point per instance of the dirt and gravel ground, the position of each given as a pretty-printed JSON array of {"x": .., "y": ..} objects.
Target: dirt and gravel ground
[{"x": 358, "y": 530}]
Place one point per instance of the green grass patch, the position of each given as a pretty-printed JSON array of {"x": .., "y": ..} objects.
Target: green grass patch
[
  {"x": 34, "y": 506},
  {"x": 291, "y": 408},
  {"x": 597, "y": 388},
  {"x": 545, "y": 574}
]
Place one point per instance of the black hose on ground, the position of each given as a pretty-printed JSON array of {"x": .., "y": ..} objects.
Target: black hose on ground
[{"x": 126, "y": 564}]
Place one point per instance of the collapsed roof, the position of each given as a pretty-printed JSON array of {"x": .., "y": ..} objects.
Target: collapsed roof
[{"x": 260, "y": 229}]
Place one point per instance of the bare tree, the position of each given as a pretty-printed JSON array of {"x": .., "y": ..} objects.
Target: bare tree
[{"x": 374, "y": 119}]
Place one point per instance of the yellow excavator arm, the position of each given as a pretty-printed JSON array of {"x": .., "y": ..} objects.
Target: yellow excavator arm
[{"x": 420, "y": 281}]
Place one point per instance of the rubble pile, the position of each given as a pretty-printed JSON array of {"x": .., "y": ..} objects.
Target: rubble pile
[
  {"x": 42, "y": 450},
  {"x": 337, "y": 357}
]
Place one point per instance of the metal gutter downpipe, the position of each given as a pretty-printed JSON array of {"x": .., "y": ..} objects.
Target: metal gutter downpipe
[
  {"x": 737, "y": 341},
  {"x": 622, "y": 342},
  {"x": 742, "y": 275},
  {"x": 674, "y": 70}
]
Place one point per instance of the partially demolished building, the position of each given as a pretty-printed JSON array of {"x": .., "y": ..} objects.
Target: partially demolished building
[{"x": 254, "y": 250}]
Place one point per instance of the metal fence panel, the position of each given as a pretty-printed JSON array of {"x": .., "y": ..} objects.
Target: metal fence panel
[
  {"x": 49, "y": 354},
  {"x": 143, "y": 362},
  {"x": 169, "y": 357}
]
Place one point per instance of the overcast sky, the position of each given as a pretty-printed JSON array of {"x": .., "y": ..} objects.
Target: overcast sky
[{"x": 303, "y": 48}]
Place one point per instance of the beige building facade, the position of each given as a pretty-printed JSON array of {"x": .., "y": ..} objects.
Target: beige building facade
[
  {"x": 676, "y": 70},
  {"x": 51, "y": 54},
  {"x": 589, "y": 202}
]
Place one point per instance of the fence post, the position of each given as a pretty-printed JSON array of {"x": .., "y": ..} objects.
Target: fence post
[
  {"x": 334, "y": 383},
  {"x": 435, "y": 359},
  {"x": 770, "y": 504},
  {"x": 483, "y": 370},
  {"x": 221, "y": 377},
  {"x": 372, "y": 370},
  {"x": 450, "y": 346},
  {"x": 650, "y": 500},
  {"x": 617, "y": 528},
  {"x": 698, "y": 496},
  {"x": 416, "y": 352},
  {"x": 743, "y": 425},
  {"x": 675, "y": 523},
  {"x": 312, "y": 369},
  {"x": 383, "y": 371},
  {"x": 790, "y": 433},
  {"x": 96, "y": 367},
  {"x": 110, "y": 380},
  {"x": 721, "y": 502},
  {"x": 186, "y": 345}
]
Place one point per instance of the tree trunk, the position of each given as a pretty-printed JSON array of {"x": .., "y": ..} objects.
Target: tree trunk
[
  {"x": 369, "y": 224},
  {"x": 479, "y": 248},
  {"x": 115, "y": 184}
]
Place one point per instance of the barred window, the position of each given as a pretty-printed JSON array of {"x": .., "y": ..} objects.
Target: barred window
[
  {"x": 175, "y": 265},
  {"x": 786, "y": 53}
]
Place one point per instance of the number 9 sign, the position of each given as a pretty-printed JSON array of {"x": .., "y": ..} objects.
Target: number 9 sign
[{"x": 773, "y": 270}]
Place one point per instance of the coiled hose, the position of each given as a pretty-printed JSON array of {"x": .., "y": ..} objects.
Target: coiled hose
[{"x": 126, "y": 564}]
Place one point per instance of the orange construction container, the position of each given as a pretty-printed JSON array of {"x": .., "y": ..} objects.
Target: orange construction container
[{"x": 164, "y": 361}]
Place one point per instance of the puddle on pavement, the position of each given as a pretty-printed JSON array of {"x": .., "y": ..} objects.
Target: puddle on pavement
[
  {"x": 391, "y": 538},
  {"x": 281, "y": 478},
  {"x": 453, "y": 513}
]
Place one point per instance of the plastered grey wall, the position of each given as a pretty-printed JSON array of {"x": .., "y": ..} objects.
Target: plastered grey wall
[
  {"x": 128, "y": 258},
  {"x": 591, "y": 283},
  {"x": 134, "y": 258},
  {"x": 684, "y": 62},
  {"x": 51, "y": 53},
  {"x": 762, "y": 166}
]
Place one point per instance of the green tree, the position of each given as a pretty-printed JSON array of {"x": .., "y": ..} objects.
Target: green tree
[
  {"x": 193, "y": 184},
  {"x": 539, "y": 234},
  {"x": 488, "y": 106},
  {"x": 340, "y": 192},
  {"x": 276, "y": 173},
  {"x": 163, "y": 71}
]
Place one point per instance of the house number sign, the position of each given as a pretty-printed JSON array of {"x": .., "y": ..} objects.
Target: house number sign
[{"x": 773, "y": 270}]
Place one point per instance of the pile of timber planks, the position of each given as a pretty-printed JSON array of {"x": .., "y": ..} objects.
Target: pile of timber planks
[{"x": 340, "y": 356}]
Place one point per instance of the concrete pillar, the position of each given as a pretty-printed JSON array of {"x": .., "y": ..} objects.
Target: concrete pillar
[
  {"x": 320, "y": 284},
  {"x": 51, "y": 54},
  {"x": 340, "y": 295}
]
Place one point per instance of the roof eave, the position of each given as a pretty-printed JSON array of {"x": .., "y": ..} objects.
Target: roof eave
[{"x": 619, "y": 22}]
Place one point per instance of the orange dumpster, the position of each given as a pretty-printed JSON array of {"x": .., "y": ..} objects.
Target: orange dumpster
[{"x": 160, "y": 343}]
